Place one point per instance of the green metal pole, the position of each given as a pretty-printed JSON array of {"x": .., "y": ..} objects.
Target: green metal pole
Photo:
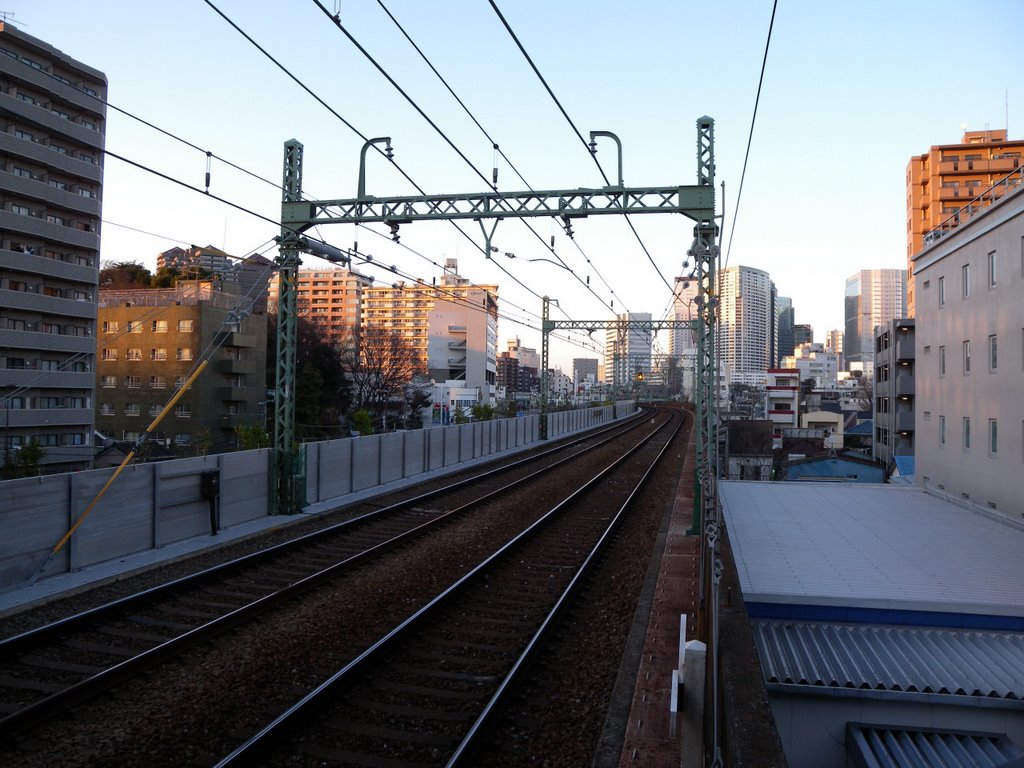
[{"x": 288, "y": 261}]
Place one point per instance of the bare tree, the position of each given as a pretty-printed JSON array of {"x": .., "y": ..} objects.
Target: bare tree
[{"x": 381, "y": 364}]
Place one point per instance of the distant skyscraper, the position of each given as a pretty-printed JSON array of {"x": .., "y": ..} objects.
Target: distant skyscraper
[
  {"x": 746, "y": 329},
  {"x": 873, "y": 297},
  {"x": 834, "y": 342},
  {"x": 682, "y": 342},
  {"x": 54, "y": 110},
  {"x": 803, "y": 333},
  {"x": 949, "y": 177},
  {"x": 627, "y": 351},
  {"x": 784, "y": 320}
]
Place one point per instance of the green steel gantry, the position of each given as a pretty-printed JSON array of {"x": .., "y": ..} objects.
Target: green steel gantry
[{"x": 696, "y": 202}]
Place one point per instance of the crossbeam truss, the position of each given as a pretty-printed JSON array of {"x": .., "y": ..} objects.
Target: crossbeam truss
[{"x": 694, "y": 202}]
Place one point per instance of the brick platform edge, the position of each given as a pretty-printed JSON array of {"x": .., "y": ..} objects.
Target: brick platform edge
[{"x": 650, "y": 739}]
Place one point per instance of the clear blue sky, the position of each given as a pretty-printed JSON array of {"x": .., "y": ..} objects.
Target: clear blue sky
[{"x": 851, "y": 92}]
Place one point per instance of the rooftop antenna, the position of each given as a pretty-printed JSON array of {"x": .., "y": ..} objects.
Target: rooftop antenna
[{"x": 6, "y": 16}]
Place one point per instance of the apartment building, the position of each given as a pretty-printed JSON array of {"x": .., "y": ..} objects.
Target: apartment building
[
  {"x": 834, "y": 342},
  {"x": 814, "y": 361},
  {"x": 970, "y": 342},
  {"x": 330, "y": 299},
  {"x": 873, "y": 297},
  {"x": 195, "y": 259},
  {"x": 894, "y": 387},
  {"x": 747, "y": 327},
  {"x": 150, "y": 341},
  {"x": 51, "y": 173},
  {"x": 951, "y": 177},
  {"x": 782, "y": 396},
  {"x": 452, "y": 326}
]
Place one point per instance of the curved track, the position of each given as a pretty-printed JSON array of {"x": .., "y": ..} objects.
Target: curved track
[
  {"x": 425, "y": 692},
  {"x": 47, "y": 669}
]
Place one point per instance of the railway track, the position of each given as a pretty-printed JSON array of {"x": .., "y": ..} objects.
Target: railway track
[
  {"x": 426, "y": 692},
  {"x": 48, "y": 669}
]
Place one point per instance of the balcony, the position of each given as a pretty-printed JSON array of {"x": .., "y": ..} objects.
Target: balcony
[
  {"x": 904, "y": 421},
  {"x": 233, "y": 394},
  {"x": 904, "y": 349},
  {"x": 905, "y": 386},
  {"x": 44, "y": 267},
  {"x": 46, "y": 417},
  {"x": 233, "y": 366}
]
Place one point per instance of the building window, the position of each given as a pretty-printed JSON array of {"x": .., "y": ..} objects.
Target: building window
[
  {"x": 993, "y": 437},
  {"x": 157, "y": 382},
  {"x": 159, "y": 326},
  {"x": 75, "y": 438},
  {"x": 134, "y": 354},
  {"x": 182, "y": 438},
  {"x": 184, "y": 326},
  {"x": 183, "y": 411},
  {"x": 992, "y": 357},
  {"x": 967, "y": 433},
  {"x": 133, "y": 382},
  {"x": 106, "y": 409},
  {"x": 154, "y": 409},
  {"x": 967, "y": 356},
  {"x": 942, "y": 361},
  {"x": 108, "y": 382},
  {"x": 992, "y": 275},
  {"x": 108, "y": 354},
  {"x": 134, "y": 326},
  {"x": 183, "y": 354},
  {"x": 158, "y": 354},
  {"x": 965, "y": 273},
  {"x": 131, "y": 409},
  {"x": 110, "y": 326},
  {"x": 179, "y": 382}
]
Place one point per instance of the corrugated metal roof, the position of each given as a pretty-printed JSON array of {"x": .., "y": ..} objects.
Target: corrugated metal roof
[
  {"x": 876, "y": 746},
  {"x": 909, "y": 659}
]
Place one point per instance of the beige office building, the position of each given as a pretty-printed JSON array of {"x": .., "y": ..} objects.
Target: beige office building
[
  {"x": 453, "y": 326},
  {"x": 330, "y": 299},
  {"x": 151, "y": 340},
  {"x": 51, "y": 174}
]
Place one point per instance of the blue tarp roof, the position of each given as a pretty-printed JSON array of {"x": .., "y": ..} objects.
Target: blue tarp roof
[{"x": 866, "y": 427}]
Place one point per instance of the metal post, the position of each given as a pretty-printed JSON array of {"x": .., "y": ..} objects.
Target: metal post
[
  {"x": 288, "y": 262},
  {"x": 545, "y": 329}
]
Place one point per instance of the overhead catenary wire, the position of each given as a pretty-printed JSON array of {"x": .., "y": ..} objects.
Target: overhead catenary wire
[
  {"x": 750, "y": 136},
  {"x": 498, "y": 150},
  {"x": 336, "y": 114},
  {"x": 576, "y": 130}
]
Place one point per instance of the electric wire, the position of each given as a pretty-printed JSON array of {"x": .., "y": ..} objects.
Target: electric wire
[
  {"x": 356, "y": 131},
  {"x": 576, "y": 130},
  {"x": 498, "y": 149},
  {"x": 750, "y": 136}
]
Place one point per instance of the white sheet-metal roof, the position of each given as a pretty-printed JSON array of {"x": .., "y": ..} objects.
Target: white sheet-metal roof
[
  {"x": 878, "y": 746},
  {"x": 876, "y": 547},
  {"x": 892, "y": 658}
]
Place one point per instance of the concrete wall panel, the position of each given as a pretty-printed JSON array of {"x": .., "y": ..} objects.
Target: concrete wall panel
[
  {"x": 33, "y": 517},
  {"x": 121, "y": 523},
  {"x": 334, "y": 471},
  {"x": 392, "y": 457},
  {"x": 436, "y": 441},
  {"x": 244, "y": 486},
  {"x": 451, "y": 445},
  {"x": 365, "y": 462},
  {"x": 415, "y": 452}
]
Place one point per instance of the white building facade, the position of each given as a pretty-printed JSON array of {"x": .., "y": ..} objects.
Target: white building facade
[
  {"x": 873, "y": 297},
  {"x": 746, "y": 331},
  {"x": 970, "y": 372}
]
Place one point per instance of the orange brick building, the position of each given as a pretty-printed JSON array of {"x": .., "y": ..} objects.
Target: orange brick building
[{"x": 948, "y": 178}]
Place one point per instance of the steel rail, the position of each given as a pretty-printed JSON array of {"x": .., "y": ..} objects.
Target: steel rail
[
  {"x": 254, "y": 750},
  {"x": 89, "y": 687}
]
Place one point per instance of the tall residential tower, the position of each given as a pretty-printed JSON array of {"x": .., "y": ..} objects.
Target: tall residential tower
[
  {"x": 51, "y": 174},
  {"x": 873, "y": 297}
]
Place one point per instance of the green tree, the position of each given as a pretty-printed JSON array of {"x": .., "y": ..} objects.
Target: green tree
[
  {"x": 416, "y": 399},
  {"x": 482, "y": 412},
  {"x": 124, "y": 274},
  {"x": 361, "y": 422},
  {"x": 252, "y": 436},
  {"x": 24, "y": 462},
  {"x": 459, "y": 416}
]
